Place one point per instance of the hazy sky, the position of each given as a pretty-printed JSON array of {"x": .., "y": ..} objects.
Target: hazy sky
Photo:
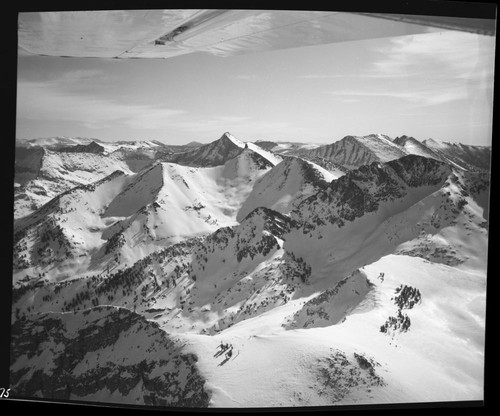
[{"x": 437, "y": 84}]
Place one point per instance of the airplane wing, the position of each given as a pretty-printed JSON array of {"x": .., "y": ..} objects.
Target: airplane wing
[{"x": 167, "y": 33}]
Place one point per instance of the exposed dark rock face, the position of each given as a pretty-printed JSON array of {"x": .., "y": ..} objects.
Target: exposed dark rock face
[
  {"x": 212, "y": 154},
  {"x": 339, "y": 375},
  {"x": 92, "y": 147},
  {"x": 256, "y": 235},
  {"x": 103, "y": 350},
  {"x": 472, "y": 158},
  {"x": 362, "y": 190}
]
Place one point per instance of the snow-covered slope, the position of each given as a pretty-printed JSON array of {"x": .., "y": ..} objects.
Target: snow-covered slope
[
  {"x": 285, "y": 185},
  {"x": 413, "y": 147},
  {"x": 269, "y": 155},
  {"x": 285, "y": 148},
  {"x": 371, "y": 211},
  {"x": 355, "y": 151},
  {"x": 364, "y": 288},
  {"x": 55, "y": 142},
  {"x": 122, "y": 218},
  {"x": 465, "y": 156},
  {"x": 47, "y": 167},
  {"x": 195, "y": 285},
  {"x": 42, "y": 174}
]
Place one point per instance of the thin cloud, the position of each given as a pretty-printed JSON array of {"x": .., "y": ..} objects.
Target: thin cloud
[
  {"x": 43, "y": 101},
  {"x": 325, "y": 76},
  {"x": 246, "y": 77},
  {"x": 443, "y": 54},
  {"x": 428, "y": 69},
  {"x": 424, "y": 96}
]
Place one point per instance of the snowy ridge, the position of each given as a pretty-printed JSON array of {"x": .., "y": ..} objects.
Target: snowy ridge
[
  {"x": 269, "y": 155},
  {"x": 350, "y": 152},
  {"x": 354, "y": 151},
  {"x": 332, "y": 286},
  {"x": 414, "y": 147},
  {"x": 212, "y": 154},
  {"x": 475, "y": 158},
  {"x": 132, "y": 215},
  {"x": 43, "y": 174},
  {"x": 285, "y": 185},
  {"x": 378, "y": 203}
]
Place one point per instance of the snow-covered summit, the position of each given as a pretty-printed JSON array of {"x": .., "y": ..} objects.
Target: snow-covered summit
[
  {"x": 285, "y": 185},
  {"x": 215, "y": 153}
]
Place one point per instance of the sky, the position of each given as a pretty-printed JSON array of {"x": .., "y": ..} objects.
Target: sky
[{"x": 432, "y": 85}]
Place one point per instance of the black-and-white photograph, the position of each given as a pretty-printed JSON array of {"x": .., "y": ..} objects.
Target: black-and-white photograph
[{"x": 242, "y": 208}]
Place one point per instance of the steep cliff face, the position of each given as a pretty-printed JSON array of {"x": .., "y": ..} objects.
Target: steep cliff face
[
  {"x": 405, "y": 204},
  {"x": 92, "y": 147},
  {"x": 474, "y": 158},
  {"x": 332, "y": 305},
  {"x": 286, "y": 185},
  {"x": 212, "y": 154},
  {"x": 355, "y": 151},
  {"x": 362, "y": 191},
  {"x": 94, "y": 355}
]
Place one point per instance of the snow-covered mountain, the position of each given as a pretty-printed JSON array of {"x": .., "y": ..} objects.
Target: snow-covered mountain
[
  {"x": 286, "y": 184},
  {"x": 466, "y": 156},
  {"x": 46, "y": 167},
  {"x": 354, "y": 151},
  {"x": 211, "y": 154},
  {"x": 413, "y": 147},
  {"x": 337, "y": 285},
  {"x": 285, "y": 148},
  {"x": 123, "y": 217},
  {"x": 42, "y": 174},
  {"x": 377, "y": 209}
]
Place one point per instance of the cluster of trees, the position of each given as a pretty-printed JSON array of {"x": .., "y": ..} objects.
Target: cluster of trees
[
  {"x": 114, "y": 243},
  {"x": 399, "y": 322},
  {"x": 407, "y": 297}
]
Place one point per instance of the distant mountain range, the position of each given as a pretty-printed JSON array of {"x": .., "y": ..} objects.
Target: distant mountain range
[
  {"x": 349, "y": 273},
  {"x": 354, "y": 151}
]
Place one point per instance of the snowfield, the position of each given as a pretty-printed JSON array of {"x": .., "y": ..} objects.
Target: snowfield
[{"x": 353, "y": 286}]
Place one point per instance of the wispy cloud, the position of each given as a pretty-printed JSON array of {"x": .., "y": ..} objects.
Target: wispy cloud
[
  {"x": 423, "y": 96},
  {"x": 446, "y": 54},
  {"x": 324, "y": 76},
  {"x": 246, "y": 77},
  {"x": 426, "y": 69},
  {"x": 48, "y": 102}
]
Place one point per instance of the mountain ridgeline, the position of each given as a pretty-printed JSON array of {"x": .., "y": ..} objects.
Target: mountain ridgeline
[
  {"x": 354, "y": 151},
  {"x": 134, "y": 261}
]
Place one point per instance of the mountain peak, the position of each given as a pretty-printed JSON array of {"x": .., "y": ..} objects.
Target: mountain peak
[
  {"x": 215, "y": 153},
  {"x": 229, "y": 137}
]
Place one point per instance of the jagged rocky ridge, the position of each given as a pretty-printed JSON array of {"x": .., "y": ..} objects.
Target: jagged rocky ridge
[
  {"x": 92, "y": 147},
  {"x": 286, "y": 185},
  {"x": 118, "y": 214},
  {"x": 354, "y": 151},
  {"x": 207, "y": 284},
  {"x": 212, "y": 154},
  {"x": 362, "y": 191}
]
